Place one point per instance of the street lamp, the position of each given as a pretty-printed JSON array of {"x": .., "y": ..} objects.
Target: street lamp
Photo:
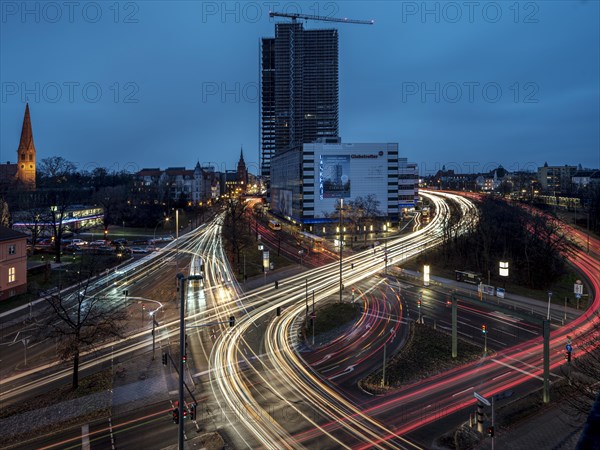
[
  {"x": 341, "y": 244},
  {"x": 166, "y": 219},
  {"x": 182, "y": 279},
  {"x": 549, "y": 297}
]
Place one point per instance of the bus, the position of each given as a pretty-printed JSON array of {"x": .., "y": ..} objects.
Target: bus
[
  {"x": 274, "y": 225},
  {"x": 197, "y": 267},
  {"x": 468, "y": 277},
  {"x": 310, "y": 241}
]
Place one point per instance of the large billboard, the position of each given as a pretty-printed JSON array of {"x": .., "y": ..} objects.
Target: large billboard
[
  {"x": 334, "y": 176},
  {"x": 284, "y": 202}
]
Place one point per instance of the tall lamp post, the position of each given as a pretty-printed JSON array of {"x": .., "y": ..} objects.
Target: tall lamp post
[
  {"x": 341, "y": 244},
  {"x": 549, "y": 297},
  {"x": 166, "y": 219}
]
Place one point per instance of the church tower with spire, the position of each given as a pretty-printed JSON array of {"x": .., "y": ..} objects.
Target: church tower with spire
[
  {"x": 242, "y": 172},
  {"x": 26, "y": 154}
]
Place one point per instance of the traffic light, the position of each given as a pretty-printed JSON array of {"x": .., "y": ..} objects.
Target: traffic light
[
  {"x": 568, "y": 356},
  {"x": 419, "y": 303},
  {"x": 279, "y": 310},
  {"x": 193, "y": 411},
  {"x": 175, "y": 415},
  {"x": 483, "y": 329},
  {"x": 231, "y": 321},
  {"x": 490, "y": 431},
  {"x": 185, "y": 414},
  {"x": 126, "y": 292},
  {"x": 184, "y": 358},
  {"x": 164, "y": 359},
  {"x": 277, "y": 285}
]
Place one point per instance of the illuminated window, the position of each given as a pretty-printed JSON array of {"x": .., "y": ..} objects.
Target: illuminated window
[
  {"x": 23, "y": 156},
  {"x": 11, "y": 275},
  {"x": 12, "y": 249}
]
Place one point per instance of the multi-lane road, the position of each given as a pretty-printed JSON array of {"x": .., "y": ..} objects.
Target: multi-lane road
[{"x": 271, "y": 387}]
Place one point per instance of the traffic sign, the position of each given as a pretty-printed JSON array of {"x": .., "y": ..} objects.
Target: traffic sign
[
  {"x": 578, "y": 287},
  {"x": 569, "y": 348},
  {"x": 481, "y": 398}
]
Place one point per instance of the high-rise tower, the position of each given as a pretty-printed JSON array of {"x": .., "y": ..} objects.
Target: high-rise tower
[
  {"x": 299, "y": 89},
  {"x": 26, "y": 154}
]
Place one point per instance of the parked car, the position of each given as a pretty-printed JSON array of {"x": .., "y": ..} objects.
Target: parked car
[
  {"x": 138, "y": 250},
  {"x": 79, "y": 242},
  {"x": 119, "y": 242},
  {"x": 98, "y": 243}
]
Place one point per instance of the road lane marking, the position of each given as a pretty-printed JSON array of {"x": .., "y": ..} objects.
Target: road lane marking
[
  {"x": 500, "y": 376},
  {"x": 462, "y": 392},
  {"x": 516, "y": 368}
]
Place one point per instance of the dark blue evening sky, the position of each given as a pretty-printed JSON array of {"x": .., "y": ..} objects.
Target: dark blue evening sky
[{"x": 157, "y": 84}]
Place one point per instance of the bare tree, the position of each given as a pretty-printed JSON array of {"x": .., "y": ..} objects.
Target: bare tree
[
  {"x": 4, "y": 213},
  {"x": 234, "y": 227},
  {"x": 56, "y": 168},
  {"x": 583, "y": 372},
  {"x": 112, "y": 199},
  {"x": 81, "y": 322}
]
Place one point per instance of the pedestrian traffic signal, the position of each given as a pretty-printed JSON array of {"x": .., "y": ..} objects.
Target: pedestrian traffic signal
[
  {"x": 419, "y": 303},
  {"x": 164, "y": 359},
  {"x": 193, "y": 411},
  {"x": 184, "y": 358},
  {"x": 483, "y": 329},
  {"x": 185, "y": 414},
  {"x": 231, "y": 321},
  {"x": 490, "y": 431},
  {"x": 279, "y": 310},
  {"x": 175, "y": 415},
  {"x": 277, "y": 285}
]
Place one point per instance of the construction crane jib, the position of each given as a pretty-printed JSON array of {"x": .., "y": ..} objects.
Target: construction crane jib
[{"x": 294, "y": 16}]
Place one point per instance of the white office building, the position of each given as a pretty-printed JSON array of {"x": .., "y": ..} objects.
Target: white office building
[{"x": 308, "y": 182}]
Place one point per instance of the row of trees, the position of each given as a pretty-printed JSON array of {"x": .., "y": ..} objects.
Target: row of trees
[{"x": 532, "y": 242}]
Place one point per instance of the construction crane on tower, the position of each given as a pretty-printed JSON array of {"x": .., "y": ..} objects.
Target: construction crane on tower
[
  {"x": 292, "y": 58},
  {"x": 295, "y": 16}
]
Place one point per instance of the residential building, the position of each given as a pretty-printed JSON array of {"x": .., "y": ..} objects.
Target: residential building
[
  {"x": 13, "y": 263},
  {"x": 556, "y": 179}
]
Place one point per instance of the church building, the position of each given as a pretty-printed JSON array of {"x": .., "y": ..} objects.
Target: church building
[{"x": 22, "y": 173}]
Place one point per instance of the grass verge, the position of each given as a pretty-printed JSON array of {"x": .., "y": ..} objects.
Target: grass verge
[
  {"x": 427, "y": 352},
  {"x": 92, "y": 384},
  {"x": 332, "y": 316}
]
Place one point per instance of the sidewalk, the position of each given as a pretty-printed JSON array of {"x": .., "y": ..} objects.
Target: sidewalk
[
  {"x": 551, "y": 429},
  {"x": 510, "y": 300}
]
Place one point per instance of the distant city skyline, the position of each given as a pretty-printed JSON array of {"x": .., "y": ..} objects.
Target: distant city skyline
[{"x": 155, "y": 84}]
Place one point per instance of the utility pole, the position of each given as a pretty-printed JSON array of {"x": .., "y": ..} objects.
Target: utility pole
[
  {"x": 341, "y": 244},
  {"x": 314, "y": 316},
  {"x": 454, "y": 328},
  {"x": 181, "y": 279},
  {"x": 546, "y": 334},
  {"x": 383, "y": 373}
]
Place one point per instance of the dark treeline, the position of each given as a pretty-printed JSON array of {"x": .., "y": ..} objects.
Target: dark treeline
[{"x": 530, "y": 242}]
